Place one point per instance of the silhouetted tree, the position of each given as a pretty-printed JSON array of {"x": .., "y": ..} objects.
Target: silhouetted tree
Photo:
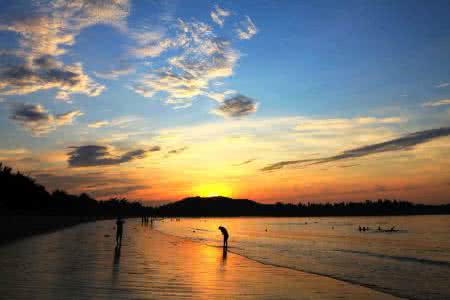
[{"x": 21, "y": 195}]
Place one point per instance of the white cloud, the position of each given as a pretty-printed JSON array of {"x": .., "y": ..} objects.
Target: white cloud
[
  {"x": 45, "y": 35},
  {"x": 247, "y": 30},
  {"x": 204, "y": 57},
  {"x": 219, "y": 14}
]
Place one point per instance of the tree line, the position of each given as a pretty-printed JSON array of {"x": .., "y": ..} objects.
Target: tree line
[{"x": 22, "y": 195}]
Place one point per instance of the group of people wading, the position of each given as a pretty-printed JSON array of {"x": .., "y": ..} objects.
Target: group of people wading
[{"x": 144, "y": 220}]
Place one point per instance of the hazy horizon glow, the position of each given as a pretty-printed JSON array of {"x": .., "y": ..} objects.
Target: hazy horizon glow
[{"x": 291, "y": 101}]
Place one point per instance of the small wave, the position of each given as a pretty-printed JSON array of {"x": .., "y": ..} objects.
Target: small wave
[
  {"x": 381, "y": 289},
  {"x": 200, "y": 229},
  {"x": 400, "y": 258},
  {"x": 290, "y": 223}
]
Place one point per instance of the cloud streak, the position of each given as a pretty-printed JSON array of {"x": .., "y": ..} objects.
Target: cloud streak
[
  {"x": 176, "y": 151},
  {"x": 245, "y": 162},
  {"x": 406, "y": 142},
  {"x": 437, "y": 103},
  {"x": 341, "y": 123},
  {"x": 115, "y": 73},
  {"x": 443, "y": 85}
]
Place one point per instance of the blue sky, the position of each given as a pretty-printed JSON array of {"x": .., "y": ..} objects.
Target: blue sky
[{"x": 131, "y": 75}]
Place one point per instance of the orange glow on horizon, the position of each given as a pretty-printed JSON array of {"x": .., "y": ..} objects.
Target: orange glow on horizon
[{"x": 213, "y": 189}]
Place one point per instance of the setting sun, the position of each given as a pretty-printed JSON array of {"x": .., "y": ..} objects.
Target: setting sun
[{"x": 213, "y": 189}]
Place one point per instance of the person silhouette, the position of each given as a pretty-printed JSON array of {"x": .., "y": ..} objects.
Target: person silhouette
[
  {"x": 119, "y": 231},
  {"x": 225, "y": 236}
]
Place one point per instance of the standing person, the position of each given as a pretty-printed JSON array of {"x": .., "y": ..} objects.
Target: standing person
[
  {"x": 119, "y": 231},
  {"x": 225, "y": 236}
]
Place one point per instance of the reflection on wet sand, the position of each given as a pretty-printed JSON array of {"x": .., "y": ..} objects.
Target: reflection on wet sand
[{"x": 149, "y": 265}]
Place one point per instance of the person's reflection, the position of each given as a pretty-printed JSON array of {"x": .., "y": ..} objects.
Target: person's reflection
[
  {"x": 115, "y": 268},
  {"x": 224, "y": 255},
  {"x": 117, "y": 255}
]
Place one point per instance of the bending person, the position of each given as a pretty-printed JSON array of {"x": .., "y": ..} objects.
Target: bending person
[{"x": 225, "y": 236}]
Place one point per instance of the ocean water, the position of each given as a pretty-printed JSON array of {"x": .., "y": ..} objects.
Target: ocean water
[{"x": 413, "y": 262}]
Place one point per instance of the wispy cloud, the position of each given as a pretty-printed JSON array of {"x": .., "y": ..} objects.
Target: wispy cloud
[
  {"x": 151, "y": 43},
  {"x": 403, "y": 143},
  {"x": 52, "y": 27},
  {"x": 98, "y": 124},
  {"x": 219, "y": 14},
  {"x": 442, "y": 85},
  {"x": 115, "y": 73},
  {"x": 14, "y": 154},
  {"x": 247, "y": 29},
  {"x": 95, "y": 155},
  {"x": 16, "y": 151},
  {"x": 115, "y": 191},
  {"x": 237, "y": 106},
  {"x": 37, "y": 120},
  {"x": 437, "y": 103},
  {"x": 220, "y": 96},
  {"x": 122, "y": 122},
  {"x": 344, "y": 123}
]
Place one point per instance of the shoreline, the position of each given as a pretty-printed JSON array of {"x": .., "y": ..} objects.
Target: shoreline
[{"x": 309, "y": 278}]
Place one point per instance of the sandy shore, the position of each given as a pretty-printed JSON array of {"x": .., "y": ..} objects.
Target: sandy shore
[{"x": 81, "y": 263}]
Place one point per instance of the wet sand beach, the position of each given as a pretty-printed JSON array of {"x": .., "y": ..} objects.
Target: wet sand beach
[{"x": 81, "y": 262}]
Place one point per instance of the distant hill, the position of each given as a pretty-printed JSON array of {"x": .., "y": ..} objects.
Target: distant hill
[
  {"x": 224, "y": 206},
  {"x": 212, "y": 206}
]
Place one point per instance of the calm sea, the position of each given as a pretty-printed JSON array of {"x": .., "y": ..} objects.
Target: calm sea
[{"x": 413, "y": 262}]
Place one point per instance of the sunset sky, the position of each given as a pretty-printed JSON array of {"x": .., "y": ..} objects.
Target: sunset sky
[{"x": 293, "y": 101}]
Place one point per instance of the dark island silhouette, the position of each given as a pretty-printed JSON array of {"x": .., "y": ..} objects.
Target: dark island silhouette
[
  {"x": 27, "y": 208},
  {"x": 228, "y": 207}
]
